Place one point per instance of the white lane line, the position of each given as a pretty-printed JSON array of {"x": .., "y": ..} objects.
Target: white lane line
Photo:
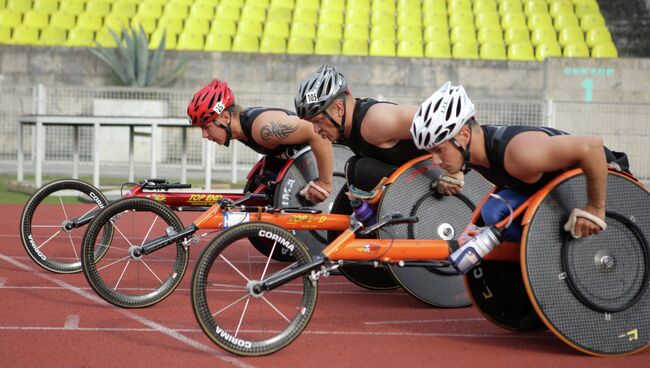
[
  {"x": 3, "y": 281},
  {"x": 72, "y": 322},
  {"x": 151, "y": 324},
  {"x": 447, "y": 320}
]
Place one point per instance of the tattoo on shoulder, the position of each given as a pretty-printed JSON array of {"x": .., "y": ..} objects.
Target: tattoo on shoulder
[{"x": 279, "y": 130}]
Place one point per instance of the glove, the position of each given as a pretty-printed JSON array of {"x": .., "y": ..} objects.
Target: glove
[
  {"x": 305, "y": 191},
  {"x": 570, "y": 225}
]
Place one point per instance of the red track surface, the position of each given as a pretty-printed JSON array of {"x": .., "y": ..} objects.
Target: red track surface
[{"x": 51, "y": 320}]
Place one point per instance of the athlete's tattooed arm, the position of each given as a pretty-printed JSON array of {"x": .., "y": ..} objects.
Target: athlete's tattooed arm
[{"x": 278, "y": 130}]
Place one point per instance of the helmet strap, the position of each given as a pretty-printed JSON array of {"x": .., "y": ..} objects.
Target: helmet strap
[
  {"x": 339, "y": 127},
  {"x": 467, "y": 166},
  {"x": 228, "y": 132}
]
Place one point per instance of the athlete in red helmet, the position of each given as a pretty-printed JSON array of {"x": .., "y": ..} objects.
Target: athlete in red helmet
[{"x": 276, "y": 133}]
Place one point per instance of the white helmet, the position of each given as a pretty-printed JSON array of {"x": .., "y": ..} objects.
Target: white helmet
[{"x": 441, "y": 116}]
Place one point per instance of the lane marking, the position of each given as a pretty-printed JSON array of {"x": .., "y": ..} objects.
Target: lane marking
[
  {"x": 151, "y": 324},
  {"x": 447, "y": 320},
  {"x": 72, "y": 322}
]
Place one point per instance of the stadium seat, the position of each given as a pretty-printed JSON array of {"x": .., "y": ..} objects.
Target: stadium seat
[
  {"x": 280, "y": 14},
  {"x": 409, "y": 17},
  {"x": 566, "y": 21},
  {"x": 539, "y": 20},
  {"x": 74, "y": 7},
  {"x": 484, "y": 7},
  {"x": 36, "y": 19},
  {"x": 333, "y": 4},
  {"x": 62, "y": 20},
  {"x": 434, "y": 6},
  {"x": 170, "y": 40},
  {"x": 546, "y": 50},
  {"x": 491, "y": 35},
  {"x": 382, "y": 48},
  {"x": 276, "y": 29},
  {"x": 218, "y": 42},
  {"x": 355, "y": 47},
  {"x": 170, "y": 24},
  {"x": 5, "y": 35},
  {"x": 307, "y": 4},
  {"x": 437, "y": 50},
  {"x": 437, "y": 33},
  {"x": 407, "y": 4},
  {"x": 558, "y": 8},
  {"x": 303, "y": 30},
  {"x": 89, "y": 21},
  {"x": 45, "y": 6},
  {"x": 535, "y": 7},
  {"x": 570, "y": 35},
  {"x": 149, "y": 8},
  {"x": 598, "y": 36},
  {"x": 329, "y": 30},
  {"x": 12, "y": 19},
  {"x": 576, "y": 50},
  {"x": 190, "y": 41},
  {"x": 104, "y": 38},
  {"x": 354, "y": 31},
  {"x": 25, "y": 35},
  {"x": 591, "y": 21},
  {"x": 459, "y": 6},
  {"x": 79, "y": 37},
  {"x": 409, "y": 48},
  {"x": 236, "y": 3},
  {"x": 20, "y": 6},
  {"x": 510, "y": 7},
  {"x": 289, "y": 4},
  {"x": 245, "y": 43},
  {"x": 543, "y": 35},
  {"x": 124, "y": 8},
  {"x": 253, "y": 13},
  {"x": 180, "y": 11},
  {"x": 300, "y": 45},
  {"x": 305, "y": 15},
  {"x": 357, "y": 16},
  {"x": 53, "y": 36},
  {"x": 273, "y": 45},
  {"x": 410, "y": 32},
  {"x": 382, "y": 32},
  {"x": 116, "y": 21},
  {"x": 202, "y": 11},
  {"x": 460, "y": 34},
  {"x": 605, "y": 50},
  {"x": 516, "y": 35},
  {"x": 385, "y": 5},
  {"x": 226, "y": 10},
  {"x": 327, "y": 46},
  {"x": 483, "y": 20},
  {"x": 513, "y": 20},
  {"x": 461, "y": 19},
  {"x": 248, "y": 28},
  {"x": 101, "y": 8},
  {"x": 465, "y": 50},
  {"x": 224, "y": 26},
  {"x": 493, "y": 51},
  {"x": 584, "y": 8},
  {"x": 382, "y": 17},
  {"x": 148, "y": 23},
  {"x": 521, "y": 51}
]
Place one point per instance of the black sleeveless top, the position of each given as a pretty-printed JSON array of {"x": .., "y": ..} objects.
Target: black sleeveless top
[
  {"x": 397, "y": 155},
  {"x": 247, "y": 118}
]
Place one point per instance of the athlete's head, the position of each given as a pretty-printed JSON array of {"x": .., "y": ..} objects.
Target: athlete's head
[{"x": 207, "y": 107}]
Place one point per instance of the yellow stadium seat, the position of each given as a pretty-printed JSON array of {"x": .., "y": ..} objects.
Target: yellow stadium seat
[
  {"x": 358, "y": 5},
  {"x": 355, "y": 47},
  {"x": 333, "y": 4},
  {"x": 604, "y": 50},
  {"x": 560, "y": 7},
  {"x": 410, "y": 32},
  {"x": 152, "y": 9},
  {"x": 461, "y": 19},
  {"x": 89, "y": 21},
  {"x": 226, "y": 10},
  {"x": 101, "y": 8},
  {"x": 20, "y": 6},
  {"x": 124, "y": 8},
  {"x": 382, "y": 48},
  {"x": 576, "y": 50},
  {"x": 598, "y": 36},
  {"x": 248, "y": 28},
  {"x": 5, "y": 35},
  {"x": 305, "y": 15},
  {"x": 465, "y": 50},
  {"x": 257, "y": 13},
  {"x": 25, "y": 35},
  {"x": 535, "y": 7},
  {"x": 53, "y": 36},
  {"x": 434, "y": 19},
  {"x": 302, "y": 30},
  {"x": 460, "y": 34},
  {"x": 170, "y": 24},
  {"x": 484, "y": 6},
  {"x": 591, "y": 21},
  {"x": 570, "y": 35},
  {"x": 289, "y": 4},
  {"x": 156, "y": 38},
  {"x": 437, "y": 33},
  {"x": 327, "y": 46},
  {"x": 36, "y": 19},
  {"x": 218, "y": 42},
  {"x": 104, "y": 38},
  {"x": 202, "y": 11},
  {"x": 300, "y": 45},
  {"x": 357, "y": 16},
  {"x": 190, "y": 41},
  {"x": 276, "y": 29},
  {"x": 11, "y": 18},
  {"x": 543, "y": 35},
  {"x": 79, "y": 37},
  {"x": 585, "y": 8},
  {"x": 334, "y": 16},
  {"x": 201, "y": 26},
  {"x": 386, "y": 5},
  {"x": 434, "y": 6},
  {"x": 354, "y": 31},
  {"x": 510, "y": 7},
  {"x": 382, "y": 32},
  {"x": 279, "y": 14},
  {"x": 62, "y": 20},
  {"x": 179, "y": 11},
  {"x": 273, "y": 45},
  {"x": 516, "y": 35},
  {"x": 75, "y": 7},
  {"x": 490, "y": 19},
  {"x": 382, "y": 17},
  {"x": 307, "y": 4},
  {"x": 437, "y": 50},
  {"x": 329, "y": 30},
  {"x": 409, "y": 48},
  {"x": 409, "y": 17},
  {"x": 540, "y": 20},
  {"x": 214, "y": 3},
  {"x": 492, "y": 35},
  {"x": 566, "y": 21},
  {"x": 493, "y": 51},
  {"x": 522, "y": 51},
  {"x": 45, "y": 6},
  {"x": 459, "y": 6},
  {"x": 407, "y": 4},
  {"x": 513, "y": 20},
  {"x": 224, "y": 26},
  {"x": 148, "y": 23},
  {"x": 546, "y": 50},
  {"x": 116, "y": 21}
]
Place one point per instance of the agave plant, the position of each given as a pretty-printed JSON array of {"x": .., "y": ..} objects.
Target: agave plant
[{"x": 132, "y": 61}]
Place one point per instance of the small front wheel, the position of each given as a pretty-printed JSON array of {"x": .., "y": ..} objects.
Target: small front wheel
[{"x": 230, "y": 312}]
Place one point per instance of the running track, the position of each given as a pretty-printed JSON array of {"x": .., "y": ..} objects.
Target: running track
[{"x": 50, "y": 320}]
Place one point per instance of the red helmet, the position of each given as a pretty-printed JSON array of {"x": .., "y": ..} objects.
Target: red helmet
[{"x": 209, "y": 103}]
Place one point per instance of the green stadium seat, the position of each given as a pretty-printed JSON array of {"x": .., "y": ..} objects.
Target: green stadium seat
[
  {"x": 385, "y": 5},
  {"x": 218, "y": 42},
  {"x": 382, "y": 17},
  {"x": 570, "y": 36},
  {"x": 5, "y": 35},
  {"x": 484, "y": 7},
  {"x": 248, "y": 28},
  {"x": 576, "y": 50},
  {"x": 253, "y": 12},
  {"x": 116, "y": 21},
  {"x": 539, "y": 20},
  {"x": 104, "y": 38},
  {"x": 459, "y": 34},
  {"x": 148, "y": 23},
  {"x": 434, "y": 19},
  {"x": 354, "y": 31},
  {"x": 329, "y": 30},
  {"x": 434, "y": 6},
  {"x": 279, "y": 14},
  {"x": 307, "y": 4},
  {"x": 170, "y": 40},
  {"x": 490, "y": 19},
  {"x": 101, "y": 8},
  {"x": 598, "y": 36},
  {"x": 493, "y": 51},
  {"x": 437, "y": 50},
  {"x": 355, "y": 47},
  {"x": 305, "y": 15},
  {"x": 513, "y": 20},
  {"x": 461, "y": 19},
  {"x": 170, "y": 24},
  {"x": 79, "y": 37},
  {"x": 226, "y": 10},
  {"x": 591, "y": 21},
  {"x": 303, "y": 30},
  {"x": 382, "y": 31},
  {"x": 535, "y": 7},
  {"x": 409, "y": 48},
  {"x": 90, "y": 21},
  {"x": 273, "y": 45},
  {"x": 53, "y": 36},
  {"x": 151, "y": 8},
  {"x": 410, "y": 32},
  {"x": 543, "y": 35},
  {"x": 202, "y": 11},
  {"x": 45, "y": 6},
  {"x": 521, "y": 51},
  {"x": 437, "y": 33},
  {"x": 546, "y": 50},
  {"x": 276, "y": 29},
  {"x": 605, "y": 50},
  {"x": 300, "y": 45},
  {"x": 516, "y": 35},
  {"x": 190, "y": 41},
  {"x": 409, "y": 17},
  {"x": 558, "y": 8},
  {"x": 382, "y": 47},
  {"x": 327, "y": 46},
  {"x": 36, "y": 19},
  {"x": 63, "y": 20},
  {"x": 12, "y": 18},
  {"x": 25, "y": 35},
  {"x": 125, "y": 8},
  {"x": 20, "y": 6},
  {"x": 245, "y": 43},
  {"x": 491, "y": 35},
  {"x": 566, "y": 21},
  {"x": 464, "y": 50}
]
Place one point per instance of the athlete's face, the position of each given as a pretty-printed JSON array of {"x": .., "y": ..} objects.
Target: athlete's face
[
  {"x": 212, "y": 132},
  {"x": 324, "y": 126},
  {"x": 448, "y": 157}
]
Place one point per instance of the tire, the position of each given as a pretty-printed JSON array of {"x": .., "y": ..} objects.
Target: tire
[
  {"x": 120, "y": 277},
  {"x": 237, "y": 321},
  {"x": 41, "y": 224}
]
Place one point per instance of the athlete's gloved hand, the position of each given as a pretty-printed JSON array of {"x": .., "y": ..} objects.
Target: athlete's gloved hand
[
  {"x": 451, "y": 184},
  {"x": 585, "y": 223},
  {"x": 316, "y": 191}
]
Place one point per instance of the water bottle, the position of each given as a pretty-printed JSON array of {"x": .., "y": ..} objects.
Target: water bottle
[
  {"x": 363, "y": 212},
  {"x": 471, "y": 253}
]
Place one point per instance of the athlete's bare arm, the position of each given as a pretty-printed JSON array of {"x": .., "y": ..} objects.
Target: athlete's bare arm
[{"x": 386, "y": 124}]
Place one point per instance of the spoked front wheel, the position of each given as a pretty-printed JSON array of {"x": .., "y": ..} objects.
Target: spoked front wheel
[
  {"x": 48, "y": 226},
  {"x": 122, "y": 276},
  {"x": 230, "y": 312}
]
